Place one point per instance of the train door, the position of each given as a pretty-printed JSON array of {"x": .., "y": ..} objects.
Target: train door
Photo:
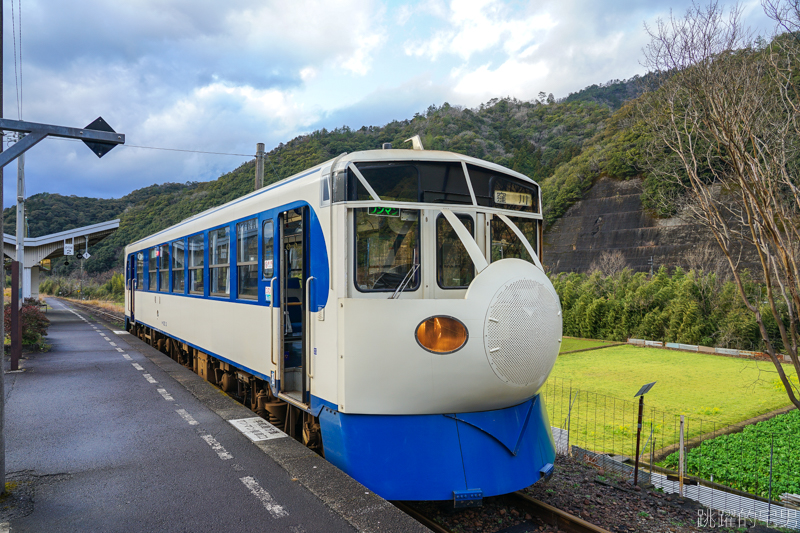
[
  {"x": 131, "y": 285},
  {"x": 293, "y": 282}
]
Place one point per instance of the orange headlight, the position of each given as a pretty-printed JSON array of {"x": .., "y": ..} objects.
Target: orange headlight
[{"x": 441, "y": 334}]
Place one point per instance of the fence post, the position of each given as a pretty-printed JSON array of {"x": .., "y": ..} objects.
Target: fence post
[
  {"x": 680, "y": 462},
  {"x": 769, "y": 500},
  {"x": 569, "y": 421}
]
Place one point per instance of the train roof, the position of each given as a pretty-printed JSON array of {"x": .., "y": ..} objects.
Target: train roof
[{"x": 357, "y": 157}]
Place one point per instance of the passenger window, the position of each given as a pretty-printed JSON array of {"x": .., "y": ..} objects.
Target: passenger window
[
  {"x": 219, "y": 267},
  {"x": 505, "y": 243},
  {"x": 387, "y": 249},
  {"x": 139, "y": 271},
  {"x": 163, "y": 268},
  {"x": 247, "y": 258},
  {"x": 177, "y": 267},
  {"x": 196, "y": 263},
  {"x": 267, "y": 242},
  {"x": 454, "y": 267},
  {"x": 152, "y": 279}
]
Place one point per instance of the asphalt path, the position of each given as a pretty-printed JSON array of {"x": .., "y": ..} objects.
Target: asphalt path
[{"x": 110, "y": 441}]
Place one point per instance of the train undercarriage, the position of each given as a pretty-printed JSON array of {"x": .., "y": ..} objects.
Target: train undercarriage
[{"x": 251, "y": 391}]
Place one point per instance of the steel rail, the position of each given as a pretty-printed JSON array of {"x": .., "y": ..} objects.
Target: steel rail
[
  {"x": 548, "y": 514},
  {"x": 555, "y": 517},
  {"x": 94, "y": 310},
  {"x": 421, "y": 518}
]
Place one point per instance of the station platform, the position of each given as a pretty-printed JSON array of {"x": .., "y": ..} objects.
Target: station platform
[{"x": 105, "y": 433}]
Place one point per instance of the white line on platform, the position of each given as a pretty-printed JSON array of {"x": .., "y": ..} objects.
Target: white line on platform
[
  {"x": 120, "y": 349},
  {"x": 266, "y": 499},
  {"x": 112, "y": 343},
  {"x": 137, "y": 366},
  {"x": 186, "y": 416},
  {"x": 106, "y": 338},
  {"x": 165, "y": 394},
  {"x": 128, "y": 357},
  {"x": 149, "y": 378},
  {"x": 121, "y": 333},
  {"x": 217, "y": 447}
]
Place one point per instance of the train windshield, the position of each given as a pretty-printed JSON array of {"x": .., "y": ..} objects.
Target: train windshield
[
  {"x": 435, "y": 182},
  {"x": 506, "y": 244},
  {"x": 387, "y": 249}
]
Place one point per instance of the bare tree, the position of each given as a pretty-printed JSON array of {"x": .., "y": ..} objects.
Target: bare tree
[
  {"x": 609, "y": 263},
  {"x": 725, "y": 131},
  {"x": 706, "y": 258}
]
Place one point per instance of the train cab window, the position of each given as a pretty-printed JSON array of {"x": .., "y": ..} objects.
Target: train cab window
[
  {"x": 493, "y": 189},
  {"x": 442, "y": 183},
  {"x": 387, "y": 249},
  {"x": 163, "y": 268},
  {"x": 139, "y": 281},
  {"x": 454, "y": 267},
  {"x": 397, "y": 182},
  {"x": 152, "y": 279},
  {"x": 178, "y": 266},
  {"x": 196, "y": 264},
  {"x": 268, "y": 243},
  {"x": 505, "y": 243},
  {"x": 247, "y": 258},
  {"x": 219, "y": 263}
]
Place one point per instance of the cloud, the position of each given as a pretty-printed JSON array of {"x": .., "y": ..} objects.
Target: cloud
[
  {"x": 512, "y": 78},
  {"x": 219, "y": 77},
  {"x": 479, "y": 25}
]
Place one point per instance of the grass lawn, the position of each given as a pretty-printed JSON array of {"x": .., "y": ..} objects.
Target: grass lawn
[
  {"x": 569, "y": 344},
  {"x": 712, "y": 391}
]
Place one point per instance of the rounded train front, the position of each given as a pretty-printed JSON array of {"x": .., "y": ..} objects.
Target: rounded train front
[{"x": 416, "y": 424}]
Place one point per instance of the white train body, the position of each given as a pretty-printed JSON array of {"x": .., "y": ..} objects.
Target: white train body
[{"x": 363, "y": 264}]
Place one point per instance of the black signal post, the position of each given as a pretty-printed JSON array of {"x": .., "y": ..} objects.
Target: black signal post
[{"x": 644, "y": 390}]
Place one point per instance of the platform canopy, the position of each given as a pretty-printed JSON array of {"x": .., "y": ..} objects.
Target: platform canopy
[{"x": 37, "y": 249}]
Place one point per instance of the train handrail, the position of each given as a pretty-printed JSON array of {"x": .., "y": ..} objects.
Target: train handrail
[
  {"x": 309, "y": 334},
  {"x": 272, "y": 320}
]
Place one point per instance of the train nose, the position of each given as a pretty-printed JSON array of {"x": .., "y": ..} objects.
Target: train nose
[{"x": 523, "y": 323}]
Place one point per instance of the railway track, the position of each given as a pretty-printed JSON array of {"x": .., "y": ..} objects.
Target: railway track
[
  {"x": 112, "y": 317},
  {"x": 546, "y": 513}
]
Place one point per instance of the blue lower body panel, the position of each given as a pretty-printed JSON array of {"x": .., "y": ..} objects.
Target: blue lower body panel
[{"x": 428, "y": 457}]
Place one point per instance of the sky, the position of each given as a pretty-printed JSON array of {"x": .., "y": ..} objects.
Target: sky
[{"x": 222, "y": 76}]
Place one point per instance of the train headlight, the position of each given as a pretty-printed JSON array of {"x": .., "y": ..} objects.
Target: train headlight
[{"x": 442, "y": 334}]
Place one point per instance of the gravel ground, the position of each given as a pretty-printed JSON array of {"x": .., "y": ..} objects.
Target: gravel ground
[{"x": 599, "y": 497}]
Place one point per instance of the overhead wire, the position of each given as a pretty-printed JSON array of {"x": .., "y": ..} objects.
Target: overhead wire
[
  {"x": 19, "y": 10},
  {"x": 165, "y": 149},
  {"x": 17, "y": 82}
]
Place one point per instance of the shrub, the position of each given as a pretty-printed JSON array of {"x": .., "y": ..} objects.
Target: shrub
[{"x": 34, "y": 323}]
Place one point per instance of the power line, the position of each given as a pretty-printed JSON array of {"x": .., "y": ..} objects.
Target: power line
[
  {"x": 165, "y": 149},
  {"x": 16, "y": 75},
  {"x": 19, "y": 8},
  {"x": 181, "y": 150}
]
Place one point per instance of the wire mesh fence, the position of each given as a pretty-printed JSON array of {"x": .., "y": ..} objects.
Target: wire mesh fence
[{"x": 727, "y": 469}]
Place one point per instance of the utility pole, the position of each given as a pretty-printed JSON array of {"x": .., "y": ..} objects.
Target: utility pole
[
  {"x": 260, "y": 165},
  {"x": 2, "y": 286},
  {"x": 21, "y": 221}
]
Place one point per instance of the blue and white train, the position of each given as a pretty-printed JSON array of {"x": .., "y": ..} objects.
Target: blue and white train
[{"x": 387, "y": 307}]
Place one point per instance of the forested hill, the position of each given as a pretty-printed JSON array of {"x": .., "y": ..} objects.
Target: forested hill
[{"x": 535, "y": 138}]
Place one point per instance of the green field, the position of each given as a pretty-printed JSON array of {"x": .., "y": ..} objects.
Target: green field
[
  {"x": 712, "y": 391},
  {"x": 569, "y": 344}
]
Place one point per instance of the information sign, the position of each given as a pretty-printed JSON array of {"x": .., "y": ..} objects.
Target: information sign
[{"x": 384, "y": 211}]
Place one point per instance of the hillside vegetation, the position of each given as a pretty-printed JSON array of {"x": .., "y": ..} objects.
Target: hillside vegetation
[{"x": 536, "y": 138}]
